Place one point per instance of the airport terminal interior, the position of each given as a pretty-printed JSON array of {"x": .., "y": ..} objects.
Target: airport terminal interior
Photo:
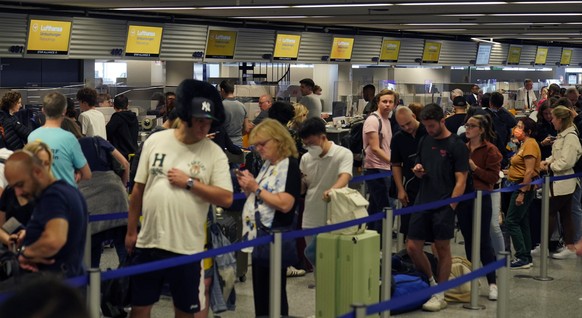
[{"x": 423, "y": 50}]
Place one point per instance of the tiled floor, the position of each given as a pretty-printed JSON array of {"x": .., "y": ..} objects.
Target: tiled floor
[{"x": 561, "y": 297}]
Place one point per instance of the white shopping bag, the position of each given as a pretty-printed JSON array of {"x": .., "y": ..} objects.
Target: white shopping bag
[{"x": 347, "y": 204}]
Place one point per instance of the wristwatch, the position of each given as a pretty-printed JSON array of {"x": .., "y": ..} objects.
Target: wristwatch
[
  {"x": 258, "y": 192},
  {"x": 189, "y": 184},
  {"x": 21, "y": 252}
]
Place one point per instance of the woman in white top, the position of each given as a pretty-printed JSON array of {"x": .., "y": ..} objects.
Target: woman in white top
[{"x": 566, "y": 150}]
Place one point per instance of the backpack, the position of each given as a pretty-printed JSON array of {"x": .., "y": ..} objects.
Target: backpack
[
  {"x": 578, "y": 165},
  {"x": 462, "y": 293},
  {"x": 403, "y": 284},
  {"x": 354, "y": 140}
]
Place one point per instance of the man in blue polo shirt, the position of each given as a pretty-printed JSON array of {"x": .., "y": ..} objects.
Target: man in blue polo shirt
[{"x": 56, "y": 232}]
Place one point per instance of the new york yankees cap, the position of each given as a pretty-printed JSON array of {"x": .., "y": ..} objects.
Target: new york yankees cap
[{"x": 198, "y": 99}]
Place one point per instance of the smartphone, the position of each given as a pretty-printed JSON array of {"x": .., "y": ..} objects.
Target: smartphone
[
  {"x": 12, "y": 226},
  {"x": 237, "y": 172}
]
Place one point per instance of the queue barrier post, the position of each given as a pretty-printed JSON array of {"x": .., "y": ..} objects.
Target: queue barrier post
[
  {"x": 359, "y": 310},
  {"x": 87, "y": 254},
  {"x": 275, "y": 275},
  {"x": 386, "y": 278},
  {"x": 545, "y": 236},
  {"x": 94, "y": 293},
  {"x": 503, "y": 287},
  {"x": 475, "y": 252}
]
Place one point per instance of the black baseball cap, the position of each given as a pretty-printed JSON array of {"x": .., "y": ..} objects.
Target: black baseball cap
[
  {"x": 199, "y": 99},
  {"x": 460, "y": 101}
]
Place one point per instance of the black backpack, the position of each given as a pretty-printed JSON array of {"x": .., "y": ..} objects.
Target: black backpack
[
  {"x": 354, "y": 139},
  {"x": 578, "y": 165}
]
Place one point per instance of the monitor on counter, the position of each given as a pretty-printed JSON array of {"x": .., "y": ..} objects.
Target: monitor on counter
[
  {"x": 143, "y": 41},
  {"x": 48, "y": 37}
]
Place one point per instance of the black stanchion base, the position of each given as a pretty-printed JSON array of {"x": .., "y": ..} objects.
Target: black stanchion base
[
  {"x": 543, "y": 279},
  {"x": 478, "y": 307}
]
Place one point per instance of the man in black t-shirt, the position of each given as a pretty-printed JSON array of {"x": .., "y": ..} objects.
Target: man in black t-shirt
[
  {"x": 442, "y": 164},
  {"x": 56, "y": 232},
  {"x": 403, "y": 152}
]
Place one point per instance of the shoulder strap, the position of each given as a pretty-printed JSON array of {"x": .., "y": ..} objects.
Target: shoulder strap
[{"x": 380, "y": 135}]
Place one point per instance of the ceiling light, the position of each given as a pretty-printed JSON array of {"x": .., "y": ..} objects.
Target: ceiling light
[
  {"x": 534, "y": 14},
  {"x": 342, "y": 5},
  {"x": 463, "y": 15},
  {"x": 436, "y": 30},
  {"x": 547, "y": 2},
  {"x": 483, "y": 40},
  {"x": 244, "y": 7},
  {"x": 452, "y": 3},
  {"x": 440, "y": 24},
  {"x": 286, "y": 17},
  {"x": 154, "y": 9}
]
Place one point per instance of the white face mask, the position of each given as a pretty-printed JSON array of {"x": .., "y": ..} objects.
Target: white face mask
[{"x": 314, "y": 151}]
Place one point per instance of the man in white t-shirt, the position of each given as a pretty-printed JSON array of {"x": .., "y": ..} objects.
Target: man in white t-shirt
[
  {"x": 325, "y": 166},
  {"x": 180, "y": 173},
  {"x": 92, "y": 121},
  {"x": 377, "y": 134}
]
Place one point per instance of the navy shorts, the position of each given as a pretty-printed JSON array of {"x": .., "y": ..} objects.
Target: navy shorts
[
  {"x": 185, "y": 281},
  {"x": 437, "y": 224}
]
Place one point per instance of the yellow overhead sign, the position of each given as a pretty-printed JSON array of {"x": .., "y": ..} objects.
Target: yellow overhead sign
[
  {"x": 541, "y": 55},
  {"x": 143, "y": 41},
  {"x": 287, "y": 47},
  {"x": 432, "y": 51},
  {"x": 566, "y": 57},
  {"x": 514, "y": 55},
  {"x": 48, "y": 37},
  {"x": 341, "y": 49},
  {"x": 390, "y": 51},
  {"x": 220, "y": 44}
]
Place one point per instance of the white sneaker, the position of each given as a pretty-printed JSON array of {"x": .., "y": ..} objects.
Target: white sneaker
[
  {"x": 564, "y": 254},
  {"x": 536, "y": 251},
  {"x": 294, "y": 272},
  {"x": 435, "y": 303},
  {"x": 492, "y": 292}
]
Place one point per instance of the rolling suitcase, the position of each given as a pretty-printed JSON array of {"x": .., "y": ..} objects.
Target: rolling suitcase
[{"x": 347, "y": 272}]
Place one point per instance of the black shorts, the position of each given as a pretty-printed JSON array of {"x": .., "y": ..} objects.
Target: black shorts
[
  {"x": 185, "y": 281},
  {"x": 437, "y": 224}
]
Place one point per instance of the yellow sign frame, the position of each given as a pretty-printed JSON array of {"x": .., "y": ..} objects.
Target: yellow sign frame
[
  {"x": 566, "y": 56},
  {"x": 341, "y": 49},
  {"x": 431, "y": 52},
  {"x": 390, "y": 50},
  {"x": 220, "y": 44},
  {"x": 287, "y": 46},
  {"x": 514, "y": 55},
  {"x": 541, "y": 55},
  {"x": 143, "y": 40},
  {"x": 48, "y": 37}
]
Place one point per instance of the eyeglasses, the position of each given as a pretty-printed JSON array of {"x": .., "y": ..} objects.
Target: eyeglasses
[
  {"x": 262, "y": 143},
  {"x": 467, "y": 126}
]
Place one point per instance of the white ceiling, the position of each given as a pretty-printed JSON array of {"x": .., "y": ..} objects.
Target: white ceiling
[{"x": 541, "y": 21}]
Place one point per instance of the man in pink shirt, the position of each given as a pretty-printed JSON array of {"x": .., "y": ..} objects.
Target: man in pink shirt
[{"x": 376, "y": 135}]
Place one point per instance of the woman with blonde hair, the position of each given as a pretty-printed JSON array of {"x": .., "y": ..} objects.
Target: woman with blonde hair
[
  {"x": 300, "y": 115},
  {"x": 566, "y": 150},
  {"x": 271, "y": 201}
]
